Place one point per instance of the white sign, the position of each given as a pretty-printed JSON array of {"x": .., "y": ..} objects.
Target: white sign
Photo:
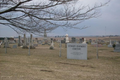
[{"x": 76, "y": 51}]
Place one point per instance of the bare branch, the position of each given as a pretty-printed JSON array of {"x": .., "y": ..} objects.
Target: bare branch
[{"x": 23, "y": 15}]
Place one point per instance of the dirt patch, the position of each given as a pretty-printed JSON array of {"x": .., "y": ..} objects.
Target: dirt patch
[
  {"x": 46, "y": 70},
  {"x": 76, "y": 64}
]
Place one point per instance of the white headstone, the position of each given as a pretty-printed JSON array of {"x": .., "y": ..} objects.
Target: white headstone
[
  {"x": 67, "y": 38},
  {"x": 93, "y": 43},
  {"x": 110, "y": 45},
  {"x": 6, "y": 43},
  {"x": 52, "y": 44},
  {"x": 77, "y": 51},
  {"x": 84, "y": 41}
]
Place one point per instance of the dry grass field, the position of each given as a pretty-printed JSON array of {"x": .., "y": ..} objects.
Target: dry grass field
[{"x": 45, "y": 64}]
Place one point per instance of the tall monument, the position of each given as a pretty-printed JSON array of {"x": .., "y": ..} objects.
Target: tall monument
[
  {"x": 45, "y": 37},
  {"x": 67, "y": 38},
  {"x": 110, "y": 45},
  {"x": 25, "y": 44},
  {"x": 31, "y": 42},
  {"x": 19, "y": 41}
]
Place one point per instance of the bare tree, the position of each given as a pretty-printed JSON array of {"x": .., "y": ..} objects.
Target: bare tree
[{"x": 33, "y": 16}]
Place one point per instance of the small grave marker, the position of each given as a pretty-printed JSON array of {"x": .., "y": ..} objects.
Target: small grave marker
[
  {"x": 117, "y": 48},
  {"x": 35, "y": 45},
  {"x": 14, "y": 46}
]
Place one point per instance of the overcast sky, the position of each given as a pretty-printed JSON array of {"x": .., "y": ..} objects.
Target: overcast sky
[{"x": 106, "y": 24}]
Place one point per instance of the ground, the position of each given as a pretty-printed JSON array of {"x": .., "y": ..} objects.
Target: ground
[{"x": 45, "y": 64}]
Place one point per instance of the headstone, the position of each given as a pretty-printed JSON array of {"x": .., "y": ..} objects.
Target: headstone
[
  {"x": 84, "y": 41},
  {"x": 11, "y": 42},
  {"x": 90, "y": 41},
  {"x": 19, "y": 41},
  {"x": 25, "y": 45},
  {"x": 45, "y": 40},
  {"x": 52, "y": 45},
  {"x": 6, "y": 43},
  {"x": 45, "y": 35},
  {"x": 58, "y": 41},
  {"x": 113, "y": 42},
  {"x": 54, "y": 40},
  {"x": 77, "y": 51},
  {"x": 117, "y": 48},
  {"x": 24, "y": 40},
  {"x": 110, "y": 45},
  {"x": 81, "y": 40},
  {"x": 14, "y": 46},
  {"x": 67, "y": 38},
  {"x": 31, "y": 42},
  {"x": 117, "y": 42},
  {"x": 1, "y": 43},
  {"x": 73, "y": 40},
  {"x": 102, "y": 41},
  {"x": 51, "y": 40},
  {"x": 97, "y": 45},
  {"x": 39, "y": 42},
  {"x": 35, "y": 45},
  {"x": 93, "y": 43},
  {"x": 27, "y": 41}
]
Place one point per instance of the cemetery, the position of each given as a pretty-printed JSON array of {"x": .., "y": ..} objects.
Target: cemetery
[
  {"x": 49, "y": 40},
  {"x": 75, "y": 59}
]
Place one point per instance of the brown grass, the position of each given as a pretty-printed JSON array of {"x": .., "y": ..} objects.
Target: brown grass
[{"x": 45, "y": 64}]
